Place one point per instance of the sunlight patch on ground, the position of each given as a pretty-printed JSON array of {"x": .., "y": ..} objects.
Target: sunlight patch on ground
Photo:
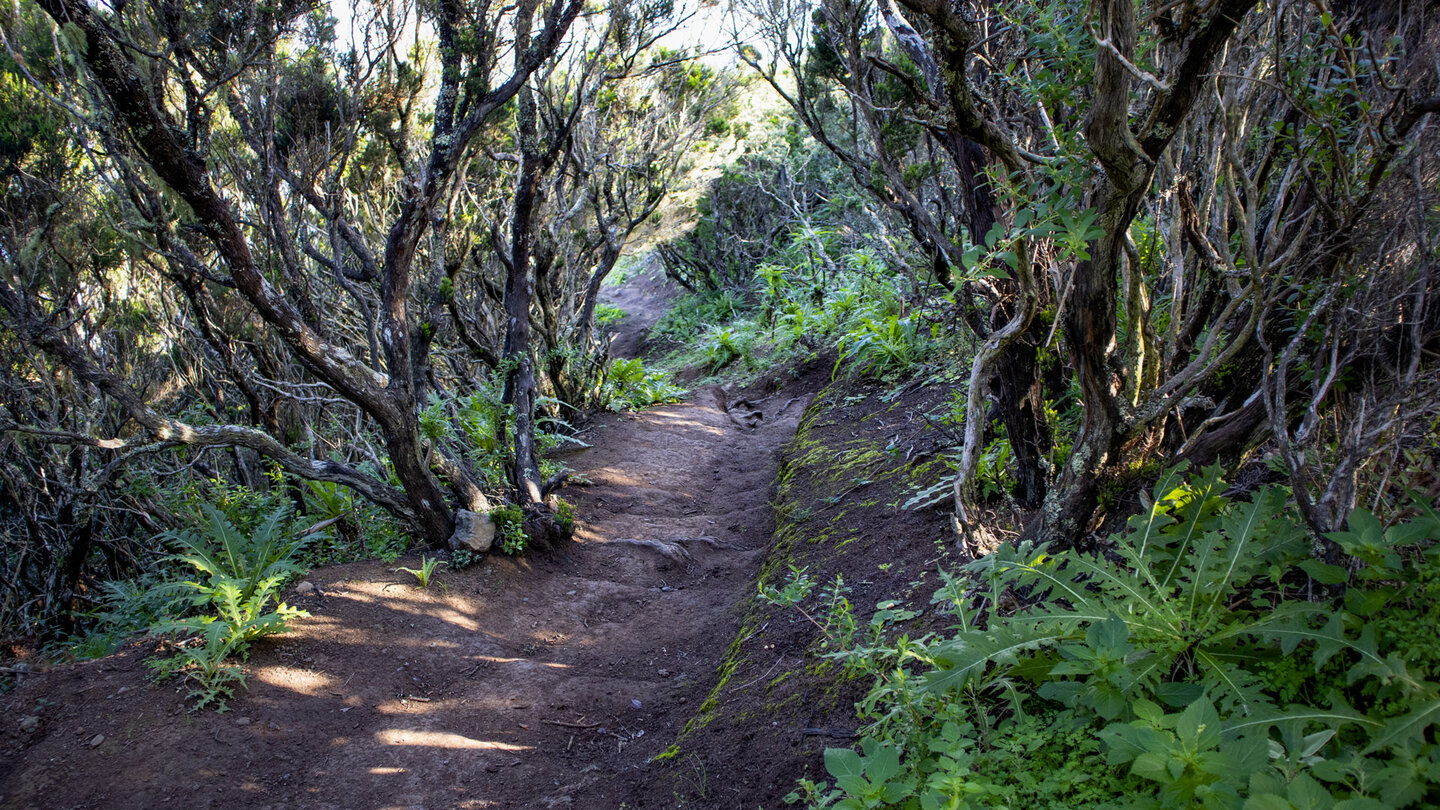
[
  {"x": 460, "y": 620},
  {"x": 497, "y": 660},
  {"x": 403, "y": 598},
  {"x": 442, "y": 739},
  {"x": 584, "y": 534},
  {"x": 682, "y": 420},
  {"x": 616, "y": 476},
  {"x": 304, "y": 681}
]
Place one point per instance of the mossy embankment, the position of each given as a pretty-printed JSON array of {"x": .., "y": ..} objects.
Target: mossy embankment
[{"x": 862, "y": 450}]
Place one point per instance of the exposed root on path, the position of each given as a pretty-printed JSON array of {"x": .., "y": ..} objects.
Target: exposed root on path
[
  {"x": 674, "y": 550},
  {"x": 677, "y": 549}
]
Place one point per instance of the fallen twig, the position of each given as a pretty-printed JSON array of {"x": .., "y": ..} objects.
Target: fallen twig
[
  {"x": 838, "y": 733},
  {"x": 564, "y": 724}
]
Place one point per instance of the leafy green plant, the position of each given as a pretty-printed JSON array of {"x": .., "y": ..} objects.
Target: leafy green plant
[
  {"x": 426, "y": 571},
  {"x": 357, "y": 529},
  {"x": 510, "y": 529},
  {"x": 1191, "y": 657},
  {"x": 208, "y": 664},
  {"x": 882, "y": 344},
  {"x": 240, "y": 575},
  {"x": 692, "y": 313},
  {"x": 629, "y": 385},
  {"x": 464, "y": 558},
  {"x": 128, "y": 607},
  {"x": 722, "y": 346},
  {"x": 993, "y": 474},
  {"x": 607, "y": 314},
  {"x": 565, "y": 514},
  {"x": 257, "y": 561}
]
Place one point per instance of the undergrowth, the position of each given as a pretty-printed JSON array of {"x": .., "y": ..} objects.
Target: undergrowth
[
  {"x": 629, "y": 385},
  {"x": 1203, "y": 658},
  {"x": 238, "y": 578}
]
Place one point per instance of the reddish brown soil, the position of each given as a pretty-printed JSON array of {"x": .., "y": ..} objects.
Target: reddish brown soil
[
  {"x": 644, "y": 297},
  {"x": 839, "y": 512},
  {"x": 512, "y": 684}
]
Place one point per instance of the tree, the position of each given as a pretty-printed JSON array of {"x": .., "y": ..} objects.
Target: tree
[
  {"x": 1169, "y": 192},
  {"x": 329, "y": 246},
  {"x": 889, "y": 129},
  {"x": 205, "y": 55}
]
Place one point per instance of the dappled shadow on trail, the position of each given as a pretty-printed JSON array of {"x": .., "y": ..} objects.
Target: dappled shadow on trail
[{"x": 512, "y": 684}]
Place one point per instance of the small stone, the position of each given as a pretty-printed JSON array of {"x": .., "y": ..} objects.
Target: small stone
[
  {"x": 96, "y": 741},
  {"x": 29, "y": 724},
  {"x": 304, "y": 588},
  {"x": 242, "y": 721},
  {"x": 635, "y": 703},
  {"x": 473, "y": 530}
]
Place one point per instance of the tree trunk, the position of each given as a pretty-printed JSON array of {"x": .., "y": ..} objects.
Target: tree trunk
[
  {"x": 1021, "y": 396},
  {"x": 592, "y": 293},
  {"x": 433, "y": 519},
  {"x": 525, "y": 480},
  {"x": 1018, "y": 385}
]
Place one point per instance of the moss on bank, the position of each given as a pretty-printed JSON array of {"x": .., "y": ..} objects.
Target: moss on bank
[{"x": 859, "y": 452}]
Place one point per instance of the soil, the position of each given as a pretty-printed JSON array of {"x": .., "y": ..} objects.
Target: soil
[
  {"x": 862, "y": 451},
  {"x": 515, "y": 683},
  {"x": 644, "y": 298}
]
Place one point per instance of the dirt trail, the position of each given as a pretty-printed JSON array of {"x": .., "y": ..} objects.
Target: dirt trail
[
  {"x": 644, "y": 297},
  {"x": 538, "y": 683}
]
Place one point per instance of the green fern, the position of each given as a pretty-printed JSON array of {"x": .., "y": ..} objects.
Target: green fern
[{"x": 220, "y": 549}]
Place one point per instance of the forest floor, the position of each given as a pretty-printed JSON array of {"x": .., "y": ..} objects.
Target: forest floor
[{"x": 548, "y": 681}]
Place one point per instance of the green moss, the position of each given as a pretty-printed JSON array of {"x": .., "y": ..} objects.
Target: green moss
[
  {"x": 815, "y": 524},
  {"x": 734, "y": 657}
]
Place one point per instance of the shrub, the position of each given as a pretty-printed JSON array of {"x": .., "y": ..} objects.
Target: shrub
[
  {"x": 607, "y": 314},
  {"x": 722, "y": 347},
  {"x": 510, "y": 528},
  {"x": 883, "y": 345},
  {"x": 1190, "y": 663},
  {"x": 629, "y": 385},
  {"x": 240, "y": 575}
]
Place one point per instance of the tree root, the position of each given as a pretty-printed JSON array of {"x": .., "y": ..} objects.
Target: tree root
[
  {"x": 677, "y": 549},
  {"x": 672, "y": 549}
]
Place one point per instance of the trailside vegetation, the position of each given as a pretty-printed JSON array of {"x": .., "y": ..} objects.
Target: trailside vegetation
[
  {"x": 275, "y": 294},
  {"x": 1205, "y": 658},
  {"x": 359, "y": 268}
]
